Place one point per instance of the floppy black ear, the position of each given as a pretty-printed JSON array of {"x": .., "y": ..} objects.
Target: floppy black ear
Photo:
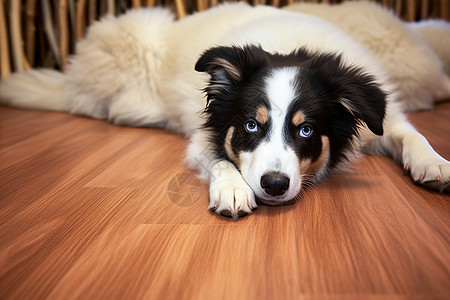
[
  {"x": 355, "y": 93},
  {"x": 229, "y": 67}
]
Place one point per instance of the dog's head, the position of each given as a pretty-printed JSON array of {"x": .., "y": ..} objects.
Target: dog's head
[{"x": 285, "y": 120}]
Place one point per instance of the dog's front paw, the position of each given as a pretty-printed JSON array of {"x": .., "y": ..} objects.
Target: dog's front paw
[
  {"x": 426, "y": 166},
  {"x": 433, "y": 174},
  {"x": 231, "y": 197}
]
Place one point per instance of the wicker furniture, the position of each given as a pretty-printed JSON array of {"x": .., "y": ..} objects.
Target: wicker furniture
[{"x": 43, "y": 33}]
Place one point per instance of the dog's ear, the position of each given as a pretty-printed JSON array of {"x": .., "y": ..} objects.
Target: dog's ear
[
  {"x": 229, "y": 67},
  {"x": 356, "y": 94}
]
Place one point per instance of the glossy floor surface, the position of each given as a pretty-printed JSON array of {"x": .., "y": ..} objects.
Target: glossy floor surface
[{"x": 89, "y": 210}]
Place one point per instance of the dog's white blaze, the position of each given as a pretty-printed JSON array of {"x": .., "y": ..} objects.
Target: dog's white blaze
[
  {"x": 280, "y": 89},
  {"x": 273, "y": 155}
]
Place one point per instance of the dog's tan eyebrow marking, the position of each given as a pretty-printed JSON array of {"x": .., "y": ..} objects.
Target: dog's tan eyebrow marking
[
  {"x": 231, "y": 69},
  {"x": 262, "y": 115},
  {"x": 229, "y": 149},
  {"x": 298, "y": 118}
]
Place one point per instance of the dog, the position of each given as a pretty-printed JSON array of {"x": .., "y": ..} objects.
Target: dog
[
  {"x": 437, "y": 35},
  {"x": 289, "y": 97},
  {"x": 409, "y": 62}
]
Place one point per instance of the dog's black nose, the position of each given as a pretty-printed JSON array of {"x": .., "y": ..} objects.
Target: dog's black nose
[{"x": 275, "y": 183}]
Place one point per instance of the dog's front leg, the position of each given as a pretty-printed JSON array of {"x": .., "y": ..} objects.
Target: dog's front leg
[
  {"x": 229, "y": 194},
  {"x": 405, "y": 144}
]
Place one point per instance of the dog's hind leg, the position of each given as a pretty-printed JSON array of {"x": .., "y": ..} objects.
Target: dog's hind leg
[{"x": 402, "y": 141}]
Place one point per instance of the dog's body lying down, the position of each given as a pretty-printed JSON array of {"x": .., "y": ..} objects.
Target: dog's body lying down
[
  {"x": 289, "y": 97},
  {"x": 408, "y": 61},
  {"x": 437, "y": 35}
]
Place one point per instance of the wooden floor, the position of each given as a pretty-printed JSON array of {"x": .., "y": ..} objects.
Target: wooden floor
[{"x": 93, "y": 211}]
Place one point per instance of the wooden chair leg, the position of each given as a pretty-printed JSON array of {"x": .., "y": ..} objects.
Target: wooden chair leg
[
  {"x": 92, "y": 11},
  {"x": 290, "y": 2},
  {"x": 110, "y": 7},
  {"x": 136, "y": 4},
  {"x": 411, "y": 8},
  {"x": 445, "y": 7},
  {"x": 49, "y": 29},
  {"x": 79, "y": 23},
  {"x": 63, "y": 33},
  {"x": 150, "y": 3},
  {"x": 214, "y": 3},
  {"x": 424, "y": 7},
  {"x": 19, "y": 60},
  {"x": 181, "y": 10},
  {"x": 5, "y": 67},
  {"x": 398, "y": 8},
  {"x": 30, "y": 30},
  {"x": 202, "y": 5}
]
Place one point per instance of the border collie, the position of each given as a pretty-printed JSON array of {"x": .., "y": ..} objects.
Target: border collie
[{"x": 288, "y": 97}]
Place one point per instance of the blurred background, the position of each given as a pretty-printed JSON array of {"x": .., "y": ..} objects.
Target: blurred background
[{"x": 43, "y": 33}]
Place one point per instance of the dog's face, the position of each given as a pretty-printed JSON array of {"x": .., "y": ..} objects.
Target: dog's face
[{"x": 285, "y": 120}]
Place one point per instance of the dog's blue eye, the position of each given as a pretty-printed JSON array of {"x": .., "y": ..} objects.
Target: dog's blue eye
[
  {"x": 306, "y": 132},
  {"x": 251, "y": 126}
]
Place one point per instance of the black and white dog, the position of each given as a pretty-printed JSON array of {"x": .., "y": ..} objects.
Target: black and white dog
[{"x": 289, "y": 97}]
